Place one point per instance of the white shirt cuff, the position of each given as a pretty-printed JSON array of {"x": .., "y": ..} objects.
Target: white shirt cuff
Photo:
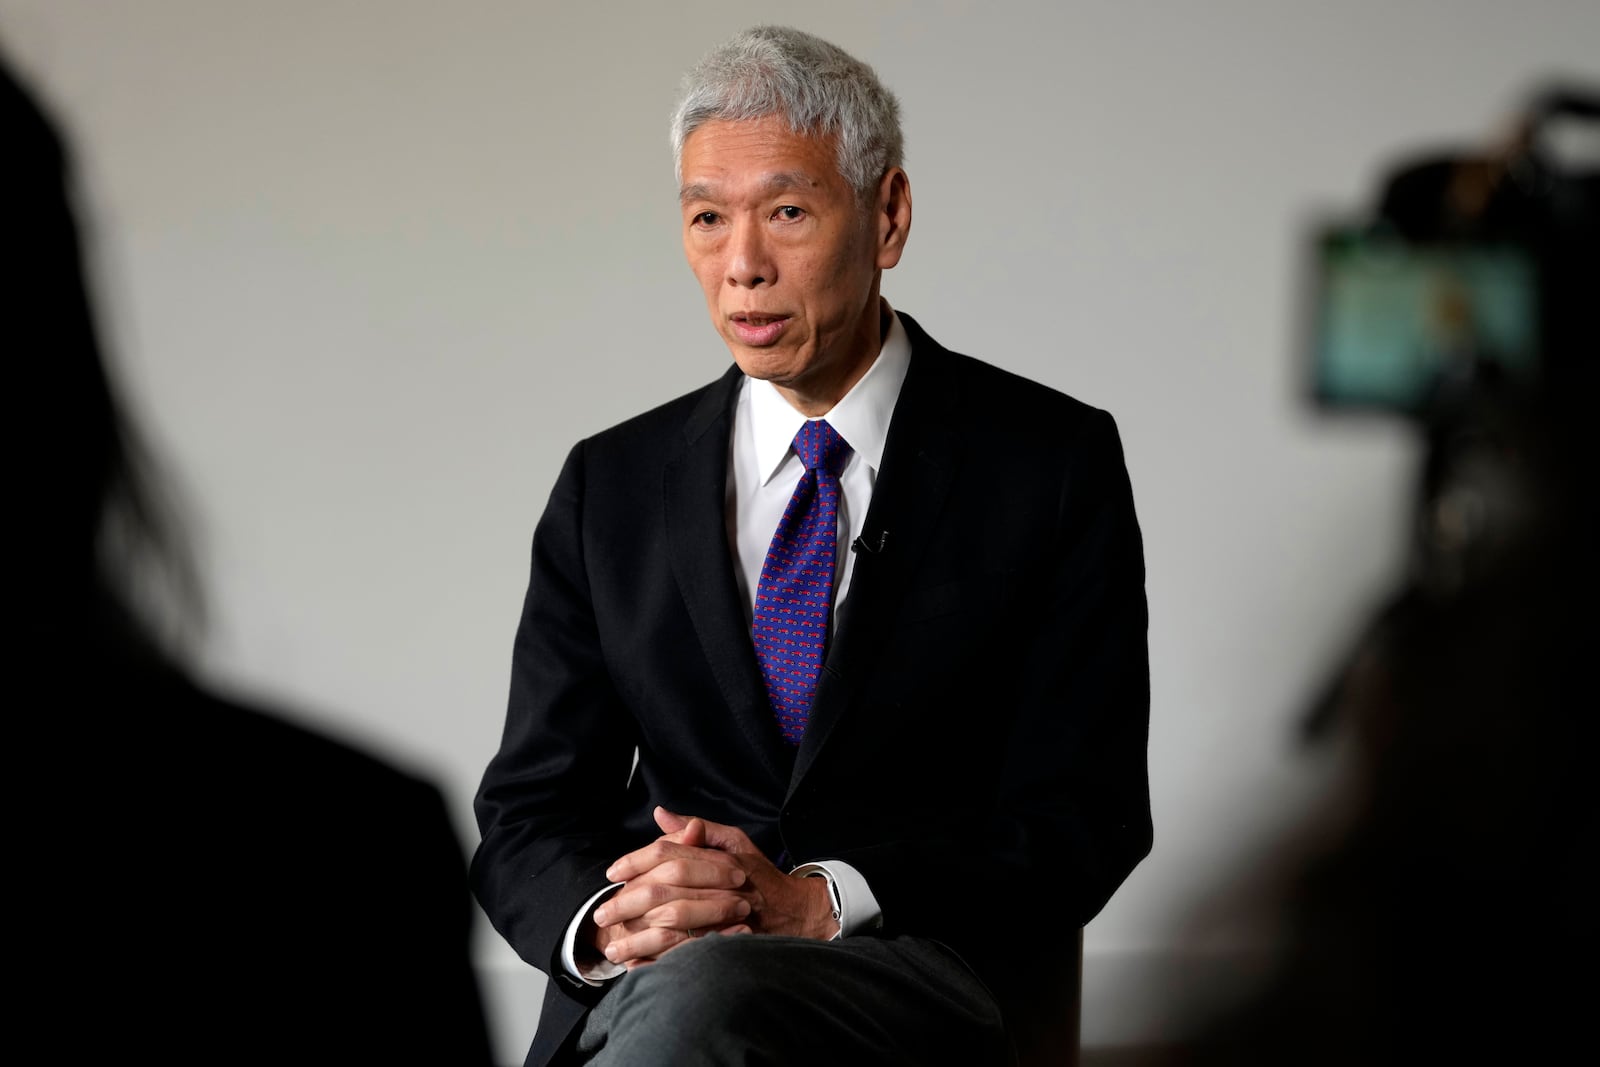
[
  {"x": 855, "y": 908},
  {"x": 596, "y": 973}
]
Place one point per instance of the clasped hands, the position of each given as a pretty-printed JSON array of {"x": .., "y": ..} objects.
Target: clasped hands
[{"x": 701, "y": 877}]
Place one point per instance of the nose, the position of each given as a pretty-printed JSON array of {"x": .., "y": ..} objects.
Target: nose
[{"x": 749, "y": 264}]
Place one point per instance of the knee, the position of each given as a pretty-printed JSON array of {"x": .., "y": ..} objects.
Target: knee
[
  {"x": 711, "y": 985},
  {"x": 714, "y": 970}
]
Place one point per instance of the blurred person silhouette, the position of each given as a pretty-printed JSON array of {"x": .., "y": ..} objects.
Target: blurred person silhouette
[
  {"x": 1442, "y": 907},
  {"x": 200, "y": 880}
]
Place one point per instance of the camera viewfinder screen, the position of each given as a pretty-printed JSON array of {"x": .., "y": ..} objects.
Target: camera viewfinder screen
[{"x": 1401, "y": 325}]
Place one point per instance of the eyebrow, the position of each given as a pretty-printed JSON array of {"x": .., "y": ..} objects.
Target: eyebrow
[{"x": 775, "y": 182}]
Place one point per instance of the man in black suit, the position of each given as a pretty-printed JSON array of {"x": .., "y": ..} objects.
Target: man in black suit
[{"x": 900, "y": 740}]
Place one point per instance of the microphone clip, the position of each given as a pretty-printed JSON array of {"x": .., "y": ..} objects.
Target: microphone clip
[{"x": 870, "y": 548}]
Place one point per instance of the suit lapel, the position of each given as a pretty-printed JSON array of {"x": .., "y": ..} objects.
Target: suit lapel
[
  {"x": 919, "y": 460},
  {"x": 695, "y": 488}
]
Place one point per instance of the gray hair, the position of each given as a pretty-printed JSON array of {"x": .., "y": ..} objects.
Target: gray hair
[{"x": 817, "y": 87}]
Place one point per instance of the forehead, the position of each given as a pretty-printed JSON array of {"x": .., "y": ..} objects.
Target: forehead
[{"x": 732, "y": 155}]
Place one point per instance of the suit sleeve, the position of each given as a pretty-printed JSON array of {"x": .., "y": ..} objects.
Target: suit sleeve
[
  {"x": 1070, "y": 814},
  {"x": 550, "y": 804}
]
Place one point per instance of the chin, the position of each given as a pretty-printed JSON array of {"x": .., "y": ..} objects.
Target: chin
[{"x": 761, "y": 364}]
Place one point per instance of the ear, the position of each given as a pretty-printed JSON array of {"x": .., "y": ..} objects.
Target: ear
[{"x": 893, "y": 214}]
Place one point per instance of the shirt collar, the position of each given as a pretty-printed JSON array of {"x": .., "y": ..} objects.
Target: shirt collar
[{"x": 861, "y": 416}]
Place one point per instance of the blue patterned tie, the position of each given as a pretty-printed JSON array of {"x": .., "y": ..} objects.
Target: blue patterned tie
[{"x": 795, "y": 594}]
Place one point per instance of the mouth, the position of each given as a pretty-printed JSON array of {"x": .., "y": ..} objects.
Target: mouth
[{"x": 757, "y": 329}]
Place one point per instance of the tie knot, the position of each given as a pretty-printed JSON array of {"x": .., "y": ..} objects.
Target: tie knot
[{"x": 820, "y": 446}]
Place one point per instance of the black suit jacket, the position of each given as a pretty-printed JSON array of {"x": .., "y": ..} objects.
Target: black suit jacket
[{"x": 977, "y": 743}]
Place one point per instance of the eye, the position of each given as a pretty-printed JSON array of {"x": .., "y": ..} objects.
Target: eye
[
  {"x": 706, "y": 218},
  {"x": 789, "y": 213}
]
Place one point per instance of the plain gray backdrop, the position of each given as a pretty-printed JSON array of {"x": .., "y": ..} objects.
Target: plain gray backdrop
[{"x": 368, "y": 269}]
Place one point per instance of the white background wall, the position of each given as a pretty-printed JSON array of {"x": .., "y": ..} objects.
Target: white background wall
[{"x": 369, "y": 268}]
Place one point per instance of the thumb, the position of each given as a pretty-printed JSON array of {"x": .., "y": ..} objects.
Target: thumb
[
  {"x": 669, "y": 821},
  {"x": 702, "y": 833}
]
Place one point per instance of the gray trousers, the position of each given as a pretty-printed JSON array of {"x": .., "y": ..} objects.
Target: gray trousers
[{"x": 752, "y": 1000}]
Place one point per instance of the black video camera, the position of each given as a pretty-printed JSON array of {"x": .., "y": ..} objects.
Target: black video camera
[{"x": 1477, "y": 273}]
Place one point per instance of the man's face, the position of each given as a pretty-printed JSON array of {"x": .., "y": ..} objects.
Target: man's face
[{"x": 788, "y": 257}]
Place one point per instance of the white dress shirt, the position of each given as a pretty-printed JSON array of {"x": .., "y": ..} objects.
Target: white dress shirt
[
  {"x": 763, "y": 467},
  {"x": 763, "y": 470}
]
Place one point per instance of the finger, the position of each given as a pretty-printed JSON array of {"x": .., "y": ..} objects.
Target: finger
[
  {"x": 643, "y": 860},
  {"x": 729, "y": 839},
  {"x": 716, "y": 835},
  {"x": 692, "y": 915},
  {"x": 693, "y": 834},
  {"x": 690, "y": 831},
  {"x": 724, "y": 838},
  {"x": 645, "y": 946},
  {"x": 697, "y": 866},
  {"x": 663, "y": 942},
  {"x": 687, "y": 936},
  {"x": 686, "y": 909}
]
